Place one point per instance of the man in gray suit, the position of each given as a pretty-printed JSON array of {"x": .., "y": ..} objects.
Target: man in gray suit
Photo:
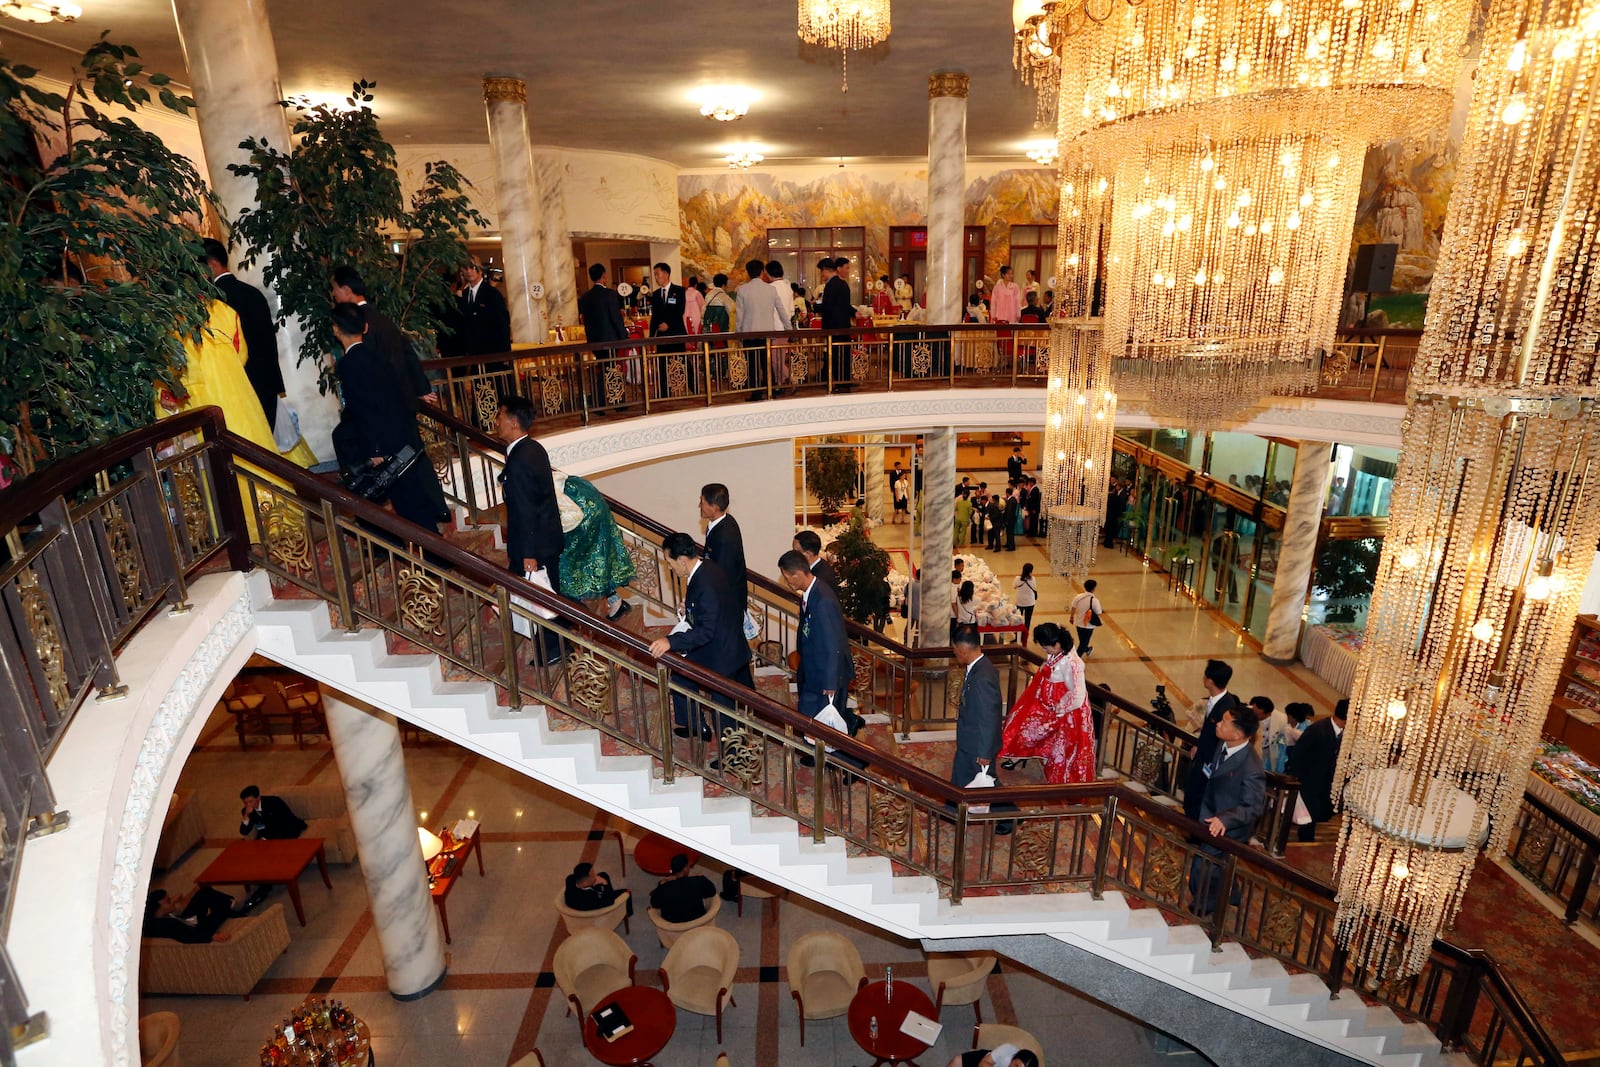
[
  {"x": 1235, "y": 794},
  {"x": 979, "y": 715}
]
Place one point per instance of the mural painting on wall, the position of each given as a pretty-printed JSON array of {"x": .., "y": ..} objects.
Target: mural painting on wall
[{"x": 725, "y": 217}]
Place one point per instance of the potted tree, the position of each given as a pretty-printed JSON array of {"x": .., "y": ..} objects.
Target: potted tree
[
  {"x": 1345, "y": 573},
  {"x": 863, "y": 570},
  {"x": 833, "y": 475}
]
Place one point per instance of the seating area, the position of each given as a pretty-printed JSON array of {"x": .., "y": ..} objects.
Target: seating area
[{"x": 231, "y": 967}]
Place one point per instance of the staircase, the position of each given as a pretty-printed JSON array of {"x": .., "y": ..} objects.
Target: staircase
[{"x": 1224, "y": 1003}]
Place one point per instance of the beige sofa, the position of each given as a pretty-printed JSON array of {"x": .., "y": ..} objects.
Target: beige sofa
[
  {"x": 323, "y": 809},
  {"x": 182, "y": 829},
  {"x": 226, "y": 967}
]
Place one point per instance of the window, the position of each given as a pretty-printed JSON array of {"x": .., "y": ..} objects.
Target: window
[
  {"x": 799, "y": 249},
  {"x": 1033, "y": 248}
]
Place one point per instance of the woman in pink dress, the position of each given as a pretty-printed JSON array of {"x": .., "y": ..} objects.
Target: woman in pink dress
[{"x": 1051, "y": 719}]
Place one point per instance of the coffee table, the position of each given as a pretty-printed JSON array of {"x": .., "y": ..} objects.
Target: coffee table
[
  {"x": 891, "y": 1045},
  {"x": 654, "y": 854},
  {"x": 268, "y": 863},
  {"x": 654, "y": 1019}
]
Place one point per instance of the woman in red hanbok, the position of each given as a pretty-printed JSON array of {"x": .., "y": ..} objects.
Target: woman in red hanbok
[{"x": 1051, "y": 719}]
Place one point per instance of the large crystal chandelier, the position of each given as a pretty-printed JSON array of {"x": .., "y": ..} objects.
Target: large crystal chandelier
[
  {"x": 844, "y": 25},
  {"x": 1496, "y": 505},
  {"x": 1232, "y": 133},
  {"x": 1034, "y": 57}
]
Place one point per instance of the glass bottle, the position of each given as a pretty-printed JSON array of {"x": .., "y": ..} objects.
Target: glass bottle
[
  {"x": 888, "y": 988},
  {"x": 872, "y": 1028}
]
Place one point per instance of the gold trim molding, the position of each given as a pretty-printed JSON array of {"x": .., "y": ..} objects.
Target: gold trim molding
[
  {"x": 947, "y": 83},
  {"x": 500, "y": 88}
]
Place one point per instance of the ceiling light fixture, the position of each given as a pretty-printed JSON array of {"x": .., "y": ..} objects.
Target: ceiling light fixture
[
  {"x": 1043, "y": 153},
  {"x": 40, "y": 11},
  {"x": 725, "y": 105},
  {"x": 844, "y": 25},
  {"x": 743, "y": 157}
]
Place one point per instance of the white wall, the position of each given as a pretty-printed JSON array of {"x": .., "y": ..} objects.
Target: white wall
[
  {"x": 760, "y": 481},
  {"x": 1589, "y": 602}
]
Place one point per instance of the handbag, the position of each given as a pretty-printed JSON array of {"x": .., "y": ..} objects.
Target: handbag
[
  {"x": 375, "y": 483},
  {"x": 521, "y": 623}
]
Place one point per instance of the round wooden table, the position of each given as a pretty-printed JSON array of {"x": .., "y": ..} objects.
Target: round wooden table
[
  {"x": 654, "y": 1019},
  {"x": 891, "y": 1045},
  {"x": 654, "y": 854}
]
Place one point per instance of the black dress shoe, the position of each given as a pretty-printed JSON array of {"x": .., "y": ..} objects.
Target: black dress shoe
[
  {"x": 681, "y": 731},
  {"x": 626, "y": 607},
  {"x": 808, "y": 761},
  {"x": 714, "y": 765},
  {"x": 1003, "y": 829}
]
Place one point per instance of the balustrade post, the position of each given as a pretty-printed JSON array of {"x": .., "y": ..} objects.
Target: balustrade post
[
  {"x": 1334, "y": 979},
  {"x": 664, "y": 722},
  {"x": 819, "y": 754},
  {"x": 1580, "y": 888},
  {"x": 152, "y": 509},
  {"x": 1102, "y": 850},
  {"x": 341, "y": 569},
  {"x": 1377, "y": 367},
  {"x": 230, "y": 504},
  {"x": 1460, "y": 1003},
  {"x": 85, "y": 620},
  {"x": 705, "y": 364},
  {"x": 1222, "y": 902},
  {"x": 958, "y": 868},
  {"x": 508, "y": 641}
]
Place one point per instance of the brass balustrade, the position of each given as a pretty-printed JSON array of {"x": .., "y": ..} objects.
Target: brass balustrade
[
  {"x": 1558, "y": 855},
  {"x": 432, "y": 596}
]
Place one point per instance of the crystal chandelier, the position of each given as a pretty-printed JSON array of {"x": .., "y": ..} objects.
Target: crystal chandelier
[
  {"x": 40, "y": 11},
  {"x": 1080, "y": 403},
  {"x": 844, "y": 25},
  {"x": 1496, "y": 504},
  {"x": 1232, "y": 134},
  {"x": 1034, "y": 56}
]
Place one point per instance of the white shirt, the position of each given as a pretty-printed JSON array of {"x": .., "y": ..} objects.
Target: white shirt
[
  {"x": 471, "y": 292},
  {"x": 1027, "y": 593},
  {"x": 1085, "y": 605},
  {"x": 712, "y": 525},
  {"x": 1211, "y": 702},
  {"x": 1229, "y": 750}
]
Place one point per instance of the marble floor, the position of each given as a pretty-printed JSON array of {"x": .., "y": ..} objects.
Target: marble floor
[{"x": 499, "y": 1000}]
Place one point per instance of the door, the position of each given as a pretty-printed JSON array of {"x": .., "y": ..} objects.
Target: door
[{"x": 908, "y": 254}]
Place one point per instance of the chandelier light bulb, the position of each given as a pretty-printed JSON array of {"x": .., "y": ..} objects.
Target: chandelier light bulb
[
  {"x": 1538, "y": 588},
  {"x": 1409, "y": 558},
  {"x": 1518, "y": 57},
  {"x": 1517, "y": 243},
  {"x": 1516, "y": 110},
  {"x": 1396, "y": 709},
  {"x": 725, "y": 104},
  {"x": 1275, "y": 277},
  {"x": 1483, "y": 630},
  {"x": 1400, "y": 870}
]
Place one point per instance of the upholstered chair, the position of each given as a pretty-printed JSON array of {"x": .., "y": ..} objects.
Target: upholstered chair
[
  {"x": 591, "y": 965},
  {"x": 698, "y": 971},
  {"x": 670, "y": 932},
  {"x": 599, "y": 918},
  {"x": 824, "y": 973},
  {"x": 959, "y": 980}
]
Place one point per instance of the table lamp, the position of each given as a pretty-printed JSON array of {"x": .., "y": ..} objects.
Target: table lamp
[{"x": 431, "y": 845}]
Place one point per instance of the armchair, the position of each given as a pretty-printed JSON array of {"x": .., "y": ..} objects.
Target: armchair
[
  {"x": 599, "y": 918},
  {"x": 825, "y": 972},
  {"x": 670, "y": 932},
  {"x": 959, "y": 980},
  {"x": 590, "y": 965},
  {"x": 698, "y": 972},
  {"x": 988, "y": 1035}
]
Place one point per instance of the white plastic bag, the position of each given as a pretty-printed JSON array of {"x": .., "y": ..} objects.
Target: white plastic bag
[
  {"x": 829, "y": 716},
  {"x": 752, "y": 629},
  {"x": 982, "y": 780},
  {"x": 286, "y": 426},
  {"x": 521, "y": 623}
]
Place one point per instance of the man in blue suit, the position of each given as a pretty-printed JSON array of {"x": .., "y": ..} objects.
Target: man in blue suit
[
  {"x": 1231, "y": 802},
  {"x": 979, "y": 715},
  {"x": 826, "y": 667},
  {"x": 711, "y": 633}
]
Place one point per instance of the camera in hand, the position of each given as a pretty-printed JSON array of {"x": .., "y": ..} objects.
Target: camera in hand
[
  {"x": 1163, "y": 706},
  {"x": 374, "y": 483}
]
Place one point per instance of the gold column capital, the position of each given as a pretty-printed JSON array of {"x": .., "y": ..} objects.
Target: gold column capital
[
  {"x": 947, "y": 83},
  {"x": 500, "y": 87}
]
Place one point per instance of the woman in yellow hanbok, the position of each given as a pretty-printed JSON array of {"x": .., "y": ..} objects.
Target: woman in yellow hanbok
[{"x": 213, "y": 374}]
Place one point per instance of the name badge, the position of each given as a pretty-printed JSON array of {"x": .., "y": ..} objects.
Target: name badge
[{"x": 672, "y": 300}]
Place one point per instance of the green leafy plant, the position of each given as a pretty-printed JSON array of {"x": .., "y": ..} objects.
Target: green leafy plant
[
  {"x": 1345, "y": 573},
  {"x": 99, "y": 274},
  {"x": 833, "y": 474},
  {"x": 863, "y": 570},
  {"x": 335, "y": 198}
]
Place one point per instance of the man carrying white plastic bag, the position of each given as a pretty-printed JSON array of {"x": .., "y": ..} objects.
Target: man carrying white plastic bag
[{"x": 978, "y": 720}]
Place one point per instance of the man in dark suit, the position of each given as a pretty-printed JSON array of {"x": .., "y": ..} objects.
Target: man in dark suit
[
  {"x": 979, "y": 714},
  {"x": 809, "y": 545},
  {"x": 1014, "y": 464},
  {"x": 1031, "y": 504},
  {"x": 534, "y": 538},
  {"x": 838, "y": 313},
  {"x": 1008, "y": 518},
  {"x": 826, "y": 668},
  {"x": 1312, "y": 759},
  {"x": 195, "y": 920},
  {"x": 1218, "y": 702},
  {"x": 483, "y": 320},
  {"x": 348, "y": 287},
  {"x": 712, "y": 633},
  {"x": 601, "y": 310},
  {"x": 377, "y": 420},
  {"x": 724, "y": 542},
  {"x": 257, "y": 325},
  {"x": 1231, "y": 799},
  {"x": 267, "y": 817}
]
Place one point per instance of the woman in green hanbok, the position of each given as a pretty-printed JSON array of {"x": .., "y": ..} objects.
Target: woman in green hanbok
[{"x": 595, "y": 562}]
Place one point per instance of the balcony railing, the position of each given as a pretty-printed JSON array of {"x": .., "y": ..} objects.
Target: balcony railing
[
  {"x": 315, "y": 540},
  {"x": 580, "y": 383}
]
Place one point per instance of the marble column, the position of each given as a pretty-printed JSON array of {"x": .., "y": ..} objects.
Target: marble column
[
  {"x": 875, "y": 486},
  {"x": 366, "y": 747},
  {"x": 1297, "y": 552},
  {"x": 555, "y": 243},
  {"x": 506, "y": 99},
  {"x": 233, "y": 71},
  {"x": 947, "y": 191},
  {"x": 938, "y": 534}
]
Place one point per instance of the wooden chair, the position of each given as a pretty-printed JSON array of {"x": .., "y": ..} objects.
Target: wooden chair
[
  {"x": 959, "y": 980},
  {"x": 591, "y": 965},
  {"x": 599, "y": 918},
  {"x": 698, "y": 972},
  {"x": 825, "y": 972},
  {"x": 670, "y": 932},
  {"x": 989, "y": 1035}
]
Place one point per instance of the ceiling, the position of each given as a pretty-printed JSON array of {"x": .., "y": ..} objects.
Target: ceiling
[{"x": 605, "y": 74}]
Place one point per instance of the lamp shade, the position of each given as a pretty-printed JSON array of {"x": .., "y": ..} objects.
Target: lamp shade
[{"x": 431, "y": 845}]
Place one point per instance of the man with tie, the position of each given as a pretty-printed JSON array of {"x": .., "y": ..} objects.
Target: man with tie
[
  {"x": 377, "y": 420},
  {"x": 710, "y": 633},
  {"x": 667, "y": 305},
  {"x": 724, "y": 542},
  {"x": 978, "y": 716},
  {"x": 839, "y": 313},
  {"x": 1231, "y": 800},
  {"x": 534, "y": 538},
  {"x": 1312, "y": 760},
  {"x": 826, "y": 667},
  {"x": 809, "y": 544},
  {"x": 484, "y": 321},
  {"x": 601, "y": 310},
  {"x": 1218, "y": 702}
]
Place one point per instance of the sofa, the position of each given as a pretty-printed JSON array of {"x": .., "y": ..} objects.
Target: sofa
[
  {"x": 182, "y": 829},
  {"x": 323, "y": 809},
  {"x": 226, "y": 967}
]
